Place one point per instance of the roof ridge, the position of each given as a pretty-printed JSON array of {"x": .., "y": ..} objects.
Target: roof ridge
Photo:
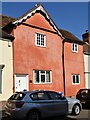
[
  {"x": 38, "y": 7},
  {"x": 70, "y": 36}
]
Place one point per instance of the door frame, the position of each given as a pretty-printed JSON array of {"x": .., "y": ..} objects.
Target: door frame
[{"x": 27, "y": 80}]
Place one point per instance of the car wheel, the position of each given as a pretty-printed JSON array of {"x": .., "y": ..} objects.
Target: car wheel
[
  {"x": 76, "y": 109},
  {"x": 33, "y": 115}
]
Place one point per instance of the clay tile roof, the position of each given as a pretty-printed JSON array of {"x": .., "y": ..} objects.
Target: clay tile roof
[
  {"x": 4, "y": 20},
  {"x": 70, "y": 37},
  {"x": 5, "y": 35}
]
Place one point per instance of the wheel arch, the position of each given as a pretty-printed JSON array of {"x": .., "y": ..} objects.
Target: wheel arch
[
  {"x": 34, "y": 109},
  {"x": 73, "y": 109},
  {"x": 78, "y": 105}
]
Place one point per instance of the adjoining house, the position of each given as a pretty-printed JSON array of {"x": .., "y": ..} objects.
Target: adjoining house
[
  {"x": 45, "y": 57},
  {"x": 86, "y": 47},
  {"x": 73, "y": 63},
  {"x": 6, "y": 65}
]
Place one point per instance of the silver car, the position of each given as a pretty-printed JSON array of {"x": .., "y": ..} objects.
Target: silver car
[{"x": 34, "y": 105}]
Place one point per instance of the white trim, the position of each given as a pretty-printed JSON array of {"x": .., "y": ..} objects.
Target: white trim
[
  {"x": 34, "y": 11},
  {"x": 45, "y": 77},
  {"x": 35, "y": 39},
  {"x": 76, "y": 51},
  {"x": 40, "y": 40},
  {"x": 27, "y": 80},
  {"x": 45, "y": 40},
  {"x": 75, "y": 78},
  {"x": 5, "y": 39},
  {"x": 51, "y": 76}
]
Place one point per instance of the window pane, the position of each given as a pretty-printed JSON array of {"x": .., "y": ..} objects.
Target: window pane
[
  {"x": 54, "y": 96},
  {"x": 42, "y": 96},
  {"x": 42, "y": 71},
  {"x": 36, "y": 76},
  {"x": 40, "y": 39},
  {"x": 34, "y": 96},
  {"x": 39, "y": 96},
  {"x": 75, "y": 47},
  {"x": 42, "y": 42},
  {"x": 17, "y": 96},
  {"x": 73, "y": 78},
  {"x": 77, "y": 78},
  {"x": 47, "y": 76},
  {"x": 42, "y": 78}
]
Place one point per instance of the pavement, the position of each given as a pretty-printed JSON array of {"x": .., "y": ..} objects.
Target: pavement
[{"x": 2, "y": 109}]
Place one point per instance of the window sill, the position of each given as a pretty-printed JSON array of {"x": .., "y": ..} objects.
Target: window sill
[{"x": 42, "y": 83}]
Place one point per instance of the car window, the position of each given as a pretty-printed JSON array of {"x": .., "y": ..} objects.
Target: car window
[
  {"x": 89, "y": 92},
  {"x": 17, "y": 96},
  {"x": 84, "y": 92},
  {"x": 39, "y": 96},
  {"x": 54, "y": 95}
]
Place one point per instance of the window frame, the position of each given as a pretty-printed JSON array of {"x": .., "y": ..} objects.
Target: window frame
[
  {"x": 0, "y": 81},
  {"x": 36, "y": 40},
  {"x": 76, "y": 79},
  {"x": 74, "y": 47},
  {"x": 40, "y": 74}
]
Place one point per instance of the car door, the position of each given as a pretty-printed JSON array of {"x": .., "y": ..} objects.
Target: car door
[
  {"x": 43, "y": 103},
  {"x": 59, "y": 104},
  {"x": 49, "y": 103}
]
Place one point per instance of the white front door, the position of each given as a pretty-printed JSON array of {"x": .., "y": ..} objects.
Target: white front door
[{"x": 21, "y": 82}]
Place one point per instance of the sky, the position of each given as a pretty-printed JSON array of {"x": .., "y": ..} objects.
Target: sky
[{"x": 71, "y": 16}]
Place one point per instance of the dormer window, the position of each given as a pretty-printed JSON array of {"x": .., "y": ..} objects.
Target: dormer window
[
  {"x": 40, "y": 40},
  {"x": 74, "y": 47}
]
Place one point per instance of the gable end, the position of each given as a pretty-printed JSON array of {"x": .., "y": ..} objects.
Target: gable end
[{"x": 40, "y": 9}]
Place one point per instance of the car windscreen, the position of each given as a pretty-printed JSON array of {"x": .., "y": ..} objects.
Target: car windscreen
[{"x": 17, "y": 96}]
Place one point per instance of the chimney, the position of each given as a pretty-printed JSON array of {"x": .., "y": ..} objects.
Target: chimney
[{"x": 86, "y": 37}]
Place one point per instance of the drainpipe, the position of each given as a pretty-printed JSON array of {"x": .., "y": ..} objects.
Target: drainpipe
[
  {"x": 1, "y": 68},
  {"x": 63, "y": 64}
]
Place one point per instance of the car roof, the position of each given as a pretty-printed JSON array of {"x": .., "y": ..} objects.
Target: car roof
[
  {"x": 84, "y": 89},
  {"x": 34, "y": 91}
]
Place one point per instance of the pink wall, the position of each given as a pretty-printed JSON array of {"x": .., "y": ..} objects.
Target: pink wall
[
  {"x": 27, "y": 56},
  {"x": 74, "y": 64},
  {"x": 40, "y": 21}
]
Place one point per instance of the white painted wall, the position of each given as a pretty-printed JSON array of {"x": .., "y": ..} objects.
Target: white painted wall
[
  {"x": 6, "y": 59},
  {"x": 87, "y": 70}
]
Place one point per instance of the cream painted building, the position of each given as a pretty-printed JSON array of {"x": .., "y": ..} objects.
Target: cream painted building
[
  {"x": 86, "y": 39},
  {"x": 87, "y": 69},
  {"x": 6, "y": 66}
]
